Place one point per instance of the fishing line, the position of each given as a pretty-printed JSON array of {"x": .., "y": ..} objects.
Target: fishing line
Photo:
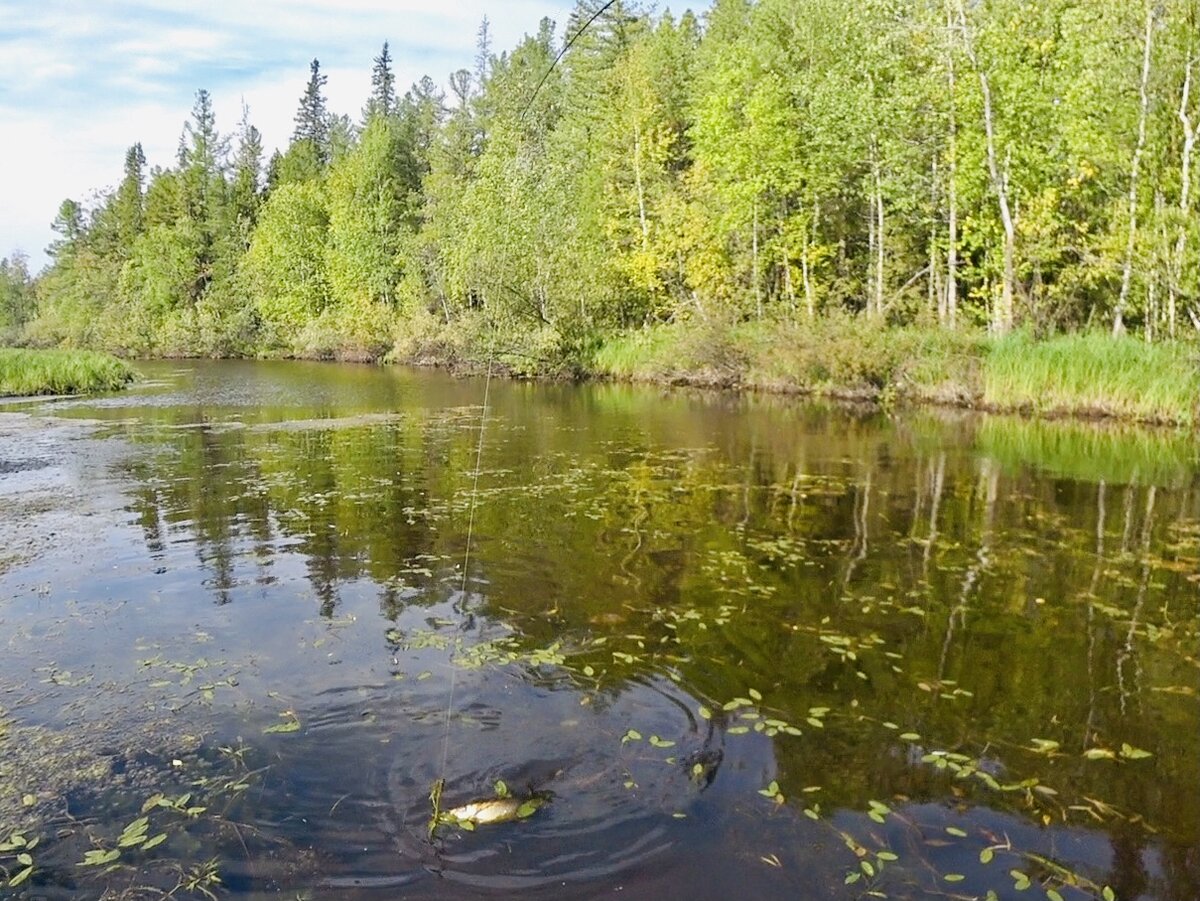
[
  {"x": 561, "y": 53},
  {"x": 435, "y": 795}
]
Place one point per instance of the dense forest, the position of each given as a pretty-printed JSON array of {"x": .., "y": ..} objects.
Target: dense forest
[{"x": 992, "y": 165}]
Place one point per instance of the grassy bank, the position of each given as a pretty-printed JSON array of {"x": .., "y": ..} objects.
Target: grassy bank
[
  {"x": 1073, "y": 375},
  {"x": 29, "y": 372},
  {"x": 1094, "y": 375}
]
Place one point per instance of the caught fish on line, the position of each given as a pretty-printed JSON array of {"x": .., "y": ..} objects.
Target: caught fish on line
[
  {"x": 489, "y": 811},
  {"x": 503, "y": 807}
]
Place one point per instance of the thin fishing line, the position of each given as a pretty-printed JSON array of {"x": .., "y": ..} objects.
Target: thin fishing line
[
  {"x": 487, "y": 386},
  {"x": 561, "y": 53}
]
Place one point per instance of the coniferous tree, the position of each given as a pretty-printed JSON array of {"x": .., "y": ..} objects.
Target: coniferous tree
[
  {"x": 382, "y": 101},
  {"x": 128, "y": 202},
  {"x": 245, "y": 191},
  {"x": 68, "y": 225},
  {"x": 312, "y": 117},
  {"x": 202, "y": 163}
]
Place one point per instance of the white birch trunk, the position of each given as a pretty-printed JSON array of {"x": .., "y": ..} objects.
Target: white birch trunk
[
  {"x": 1135, "y": 171},
  {"x": 1190, "y": 128},
  {"x": 952, "y": 203},
  {"x": 1002, "y": 317}
]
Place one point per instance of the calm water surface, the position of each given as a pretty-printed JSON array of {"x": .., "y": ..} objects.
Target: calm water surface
[{"x": 748, "y": 647}]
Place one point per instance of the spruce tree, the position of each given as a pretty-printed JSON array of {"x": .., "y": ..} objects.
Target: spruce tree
[
  {"x": 128, "y": 203},
  {"x": 68, "y": 225},
  {"x": 312, "y": 120},
  {"x": 383, "y": 87},
  {"x": 247, "y": 171}
]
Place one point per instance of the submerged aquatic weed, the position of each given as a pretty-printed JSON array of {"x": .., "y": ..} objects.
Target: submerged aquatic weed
[{"x": 16, "y": 858}]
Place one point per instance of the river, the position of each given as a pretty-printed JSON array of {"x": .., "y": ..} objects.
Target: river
[{"x": 744, "y": 646}]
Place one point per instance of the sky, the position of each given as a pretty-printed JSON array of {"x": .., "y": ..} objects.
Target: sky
[{"x": 82, "y": 80}]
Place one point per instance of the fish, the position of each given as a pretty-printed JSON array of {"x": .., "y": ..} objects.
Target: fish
[{"x": 488, "y": 811}]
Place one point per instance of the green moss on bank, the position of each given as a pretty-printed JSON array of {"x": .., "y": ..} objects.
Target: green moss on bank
[{"x": 29, "y": 372}]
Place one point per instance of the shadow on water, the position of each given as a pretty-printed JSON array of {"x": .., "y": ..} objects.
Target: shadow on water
[{"x": 748, "y": 647}]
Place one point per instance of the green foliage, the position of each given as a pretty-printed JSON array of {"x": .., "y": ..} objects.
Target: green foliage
[
  {"x": 761, "y": 174},
  {"x": 369, "y": 221},
  {"x": 285, "y": 269},
  {"x": 16, "y": 295},
  {"x": 28, "y": 372}
]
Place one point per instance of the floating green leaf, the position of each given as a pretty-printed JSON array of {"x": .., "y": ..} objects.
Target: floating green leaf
[
  {"x": 98, "y": 858},
  {"x": 1129, "y": 752}
]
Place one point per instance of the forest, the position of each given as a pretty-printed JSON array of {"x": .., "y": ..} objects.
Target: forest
[{"x": 956, "y": 167}]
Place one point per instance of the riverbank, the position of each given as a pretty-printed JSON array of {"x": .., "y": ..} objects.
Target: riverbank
[
  {"x": 1090, "y": 376},
  {"x": 30, "y": 372}
]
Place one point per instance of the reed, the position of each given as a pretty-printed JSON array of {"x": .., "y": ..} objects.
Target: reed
[
  {"x": 30, "y": 372},
  {"x": 1093, "y": 375}
]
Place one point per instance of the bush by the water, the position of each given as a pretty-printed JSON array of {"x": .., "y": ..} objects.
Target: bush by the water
[{"x": 28, "y": 372}]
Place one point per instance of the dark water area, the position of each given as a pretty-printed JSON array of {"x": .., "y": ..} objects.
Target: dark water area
[{"x": 747, "y": 646}]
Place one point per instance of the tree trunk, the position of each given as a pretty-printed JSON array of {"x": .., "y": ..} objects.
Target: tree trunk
[
  {"x": 879, "y": 241},
  {"x": 872, "y": 240},
  {"x": 952, "y": 203},
  {"x": 1002, "y": 318},
  {"x": 937, "y": 305},
  {"x": 641, "y": 193},
  {"x": 788, "y": 286},
  {"x": 1190, "y": 128},
  {"x": 754, "y": 243},
  {"x": 807, "y": 277},
  {"x": 1135, "y": 170}
]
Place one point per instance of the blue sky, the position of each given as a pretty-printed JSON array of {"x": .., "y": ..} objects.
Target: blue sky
[{"x": 81, "y": 81}]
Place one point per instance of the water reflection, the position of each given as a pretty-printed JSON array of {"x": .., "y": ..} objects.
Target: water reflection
[{"x": 935, "y": 635}]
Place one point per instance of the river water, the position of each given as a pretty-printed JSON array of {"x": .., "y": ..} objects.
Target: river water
[{"x": 746, "y": 646}]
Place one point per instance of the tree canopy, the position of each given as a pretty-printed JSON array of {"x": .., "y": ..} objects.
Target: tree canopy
[{"x": 993, "y": 165}]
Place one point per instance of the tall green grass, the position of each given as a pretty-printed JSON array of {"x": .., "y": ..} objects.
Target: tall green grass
[
  {"x": 637, "y": 354},
  {"x": 1096, "y": 375},
  {"x": 1091, "y": 375},
  {"x": 29, "y": 372}
]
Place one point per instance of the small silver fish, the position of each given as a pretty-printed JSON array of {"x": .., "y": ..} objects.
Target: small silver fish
[{"x": 487, "y": 811}]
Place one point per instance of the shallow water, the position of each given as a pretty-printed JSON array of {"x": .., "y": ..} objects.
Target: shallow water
[{"x": 751, "y": 647}]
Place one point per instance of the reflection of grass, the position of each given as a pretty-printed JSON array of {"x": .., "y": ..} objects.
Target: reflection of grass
[
  {"x": 1090, "y": 451},
  {"x": 28, "y": 372},
  {"x": 1094, "y": 374}
]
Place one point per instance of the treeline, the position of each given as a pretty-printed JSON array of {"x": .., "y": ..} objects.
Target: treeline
[{"x": 993, "y": 164}]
